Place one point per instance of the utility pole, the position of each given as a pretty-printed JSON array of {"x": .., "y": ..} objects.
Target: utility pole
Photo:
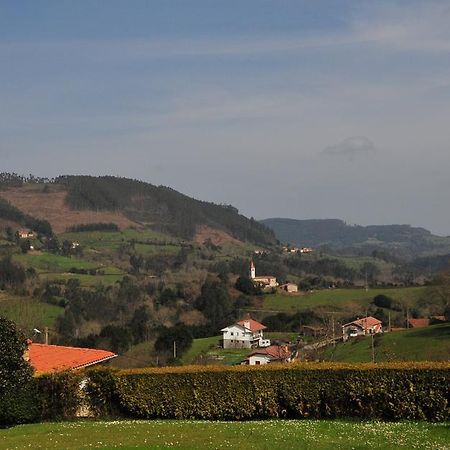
[
  {"x": 373, "y": 350},
  {"x": 389, "y": 327},
  {"x": 46, "y": 335},
  {"x": 174, "y": 349}
]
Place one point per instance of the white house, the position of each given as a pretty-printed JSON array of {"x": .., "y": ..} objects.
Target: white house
[
  {"x": 361, "y": 327},
  {"x": 246, "y": 333},
  {"x": 262, "y": 280},
  {"x": 274, "y": 353},
  {"x": 289, "y": 287}
]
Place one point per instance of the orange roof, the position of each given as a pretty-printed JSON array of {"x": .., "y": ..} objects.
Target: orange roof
[
  {"x": 274, "y": 351},
  {"x": 56, "y": 358},
  {"x": 419, "y": 323},
  {"x": 365, "y": 322},
  {"x": 252, "y": 325}
]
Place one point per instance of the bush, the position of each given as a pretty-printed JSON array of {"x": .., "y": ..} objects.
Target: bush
[
  {"x": 17, "y": 390},
  {"x": 418, "y": 391}
]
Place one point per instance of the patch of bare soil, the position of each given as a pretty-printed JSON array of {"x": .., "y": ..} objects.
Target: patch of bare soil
[
  {"x": 217, "y": 237},
  {"x": 51, "y": 206}
]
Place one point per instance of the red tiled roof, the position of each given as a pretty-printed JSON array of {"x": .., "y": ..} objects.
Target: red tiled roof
[
  {"x": 365, "y": 322},
  {"x": 419, "y": 323},
  {"x": 252, "y": 325},
  {"x": 55, "y": 358},
  {"x": 274, "y": 351}
]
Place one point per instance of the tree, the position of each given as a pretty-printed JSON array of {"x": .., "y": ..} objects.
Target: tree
[
  {"x": 17, "y": 401},
  {"x": 214, "y": 302},
  {"x": 246, "y": 286}
]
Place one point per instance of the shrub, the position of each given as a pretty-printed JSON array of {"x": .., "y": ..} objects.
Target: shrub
[
  {"x": 17, "y": 390},
  {"x": 389, "y": 392}
]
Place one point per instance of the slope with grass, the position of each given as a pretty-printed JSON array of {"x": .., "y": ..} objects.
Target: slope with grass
[
  {"x": 336, "y": 298},
  {"x": 422, "y": 344},
  {"x": 28, "y": 313}
]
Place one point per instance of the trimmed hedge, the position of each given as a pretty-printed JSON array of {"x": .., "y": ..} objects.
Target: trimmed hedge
[{"x": 390, "y": 392}]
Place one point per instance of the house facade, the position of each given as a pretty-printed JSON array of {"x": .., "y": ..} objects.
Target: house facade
[
  {"x": 289, "y": 287},
  {"x": 271, "y": 354},
  {"x": 362, "y": 327},
  {"x": 246, "y": 333}
]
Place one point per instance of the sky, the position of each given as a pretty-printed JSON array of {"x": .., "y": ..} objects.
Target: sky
[{"x": 300, "y": 109}]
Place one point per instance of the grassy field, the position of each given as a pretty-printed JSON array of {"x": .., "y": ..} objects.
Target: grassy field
[
  {"x": 50, "y": 262},
  {"x": 28, "y": 313},
  {"x": 112, "y": 240},
  {"x": 420, "y": 344},
  {"x": 339, "y": 298},
  {"x": 270, "y": 434}
]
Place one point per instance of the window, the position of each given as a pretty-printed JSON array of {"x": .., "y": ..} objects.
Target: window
[
  {"x": 232, "y": 334},
  {"x": 257, "y": 363}
]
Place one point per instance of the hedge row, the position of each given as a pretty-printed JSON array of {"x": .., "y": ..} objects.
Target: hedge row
[{"x": 389, "y": 392}]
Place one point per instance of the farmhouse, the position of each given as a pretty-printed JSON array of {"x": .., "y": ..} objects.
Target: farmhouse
[
  {"x": 361, "y": 327},
  {"x": 56, "y": 358},
  {"x": 289, "y": 287},
  {"x": 246, "y": 333},
  {"x": 274, "y": 353},
  {"x": 262, "y": 280},
  {"x": 25, "y": 234}
]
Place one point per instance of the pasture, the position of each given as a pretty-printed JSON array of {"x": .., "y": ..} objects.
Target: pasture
[
  {"x": 28, "y": 313},
  {"x": 270, "y": 434},
  {"x": 337, "y": 298},
  {"x": 420, "y": 344}
]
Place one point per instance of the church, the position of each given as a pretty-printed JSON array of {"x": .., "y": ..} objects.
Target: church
[{"x": 262, "y": 280}]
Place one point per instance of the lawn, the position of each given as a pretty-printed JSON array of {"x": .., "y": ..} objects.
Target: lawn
[
  {"x": 335, "y": 298},
  {"x": 200, "y": 346},
  {"x": 27, "y": 312},
  {"x": 270, "y": 434},
  {"x": 420, "y": 344}
]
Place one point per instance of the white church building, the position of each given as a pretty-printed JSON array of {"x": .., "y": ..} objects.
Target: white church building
[{"x": 262, "y": 280}]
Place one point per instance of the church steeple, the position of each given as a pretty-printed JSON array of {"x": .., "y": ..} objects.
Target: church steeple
[{"x": 252, "y": 269}]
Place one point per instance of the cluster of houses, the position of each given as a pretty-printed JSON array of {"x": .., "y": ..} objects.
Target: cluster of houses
[
  {"x": 248, "y": 333},
  {"x": 297, "y": 249}
]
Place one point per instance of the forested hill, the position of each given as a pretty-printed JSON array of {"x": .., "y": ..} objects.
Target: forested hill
[
  {"x": 159, "y": 207},
  {"x": 336, "y": 233}
]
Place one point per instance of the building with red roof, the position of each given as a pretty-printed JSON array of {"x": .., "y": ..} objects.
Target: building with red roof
[
  {"x": 245, "y": 333},
  {"x": 56, "y": 358},
  {"x": 271, "y": 354},
  {"x": 361, "y": 327}
]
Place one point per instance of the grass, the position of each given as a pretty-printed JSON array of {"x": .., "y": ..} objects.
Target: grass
[
  {"x": 270, "y": 434},
  {"x": 152, "y": 249},
  {"x": 420, "y": 344},
  {"x": 53, "y": 263},
  {"x": 200, "y": 346},
  {"x": 28, "y": 313},
  {"x": 336, "y": 298},
  {"x": 112, "y": 240}
]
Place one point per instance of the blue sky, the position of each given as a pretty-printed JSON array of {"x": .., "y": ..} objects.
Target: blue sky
[{"x": 302, "y": 109}]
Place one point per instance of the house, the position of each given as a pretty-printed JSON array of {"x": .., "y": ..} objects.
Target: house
[
  {"x": 25, "y": 234},
  {"x": 75, "y": 244},
  {"x": 362, "y": 327},
  {"x": 245, "y": 333},
  {"x": 289, "y": 287},
  {"x": 425, "y": 322},
  {"x": 262, "y": 280},
  {"x": 274, "y": 353},
  {"x": 56, "y": 358},
  {"x": 306, "y": 250}
]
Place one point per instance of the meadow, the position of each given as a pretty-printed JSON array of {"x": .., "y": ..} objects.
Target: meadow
[
  {"x": 270, "y": 434},
  {"x": 421, "y": 344},
  {"x": 27, "y": 312},
  {"x": 338, "y": 298}
]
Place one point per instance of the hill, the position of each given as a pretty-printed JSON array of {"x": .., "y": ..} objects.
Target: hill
[
  {"x": 70, "y": 200},
  {"x": 421, "y": 344},
  {"x": 405, "y": 240}
]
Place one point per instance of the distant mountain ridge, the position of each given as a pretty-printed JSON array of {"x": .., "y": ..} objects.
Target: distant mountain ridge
[{"x": 337, "y": 234}]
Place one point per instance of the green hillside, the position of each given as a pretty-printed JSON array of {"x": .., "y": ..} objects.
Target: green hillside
[{"x": 422, "y": 344}]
